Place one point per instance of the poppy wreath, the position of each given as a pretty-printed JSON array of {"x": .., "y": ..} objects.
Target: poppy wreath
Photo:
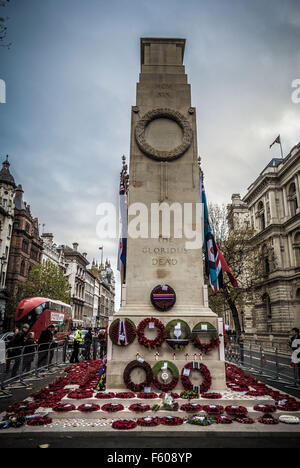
[
  {"x": 190, "y": 408},
  {"x": 39, "y": 421},
  {"x": 173, "y": 395},
  {"x": 236, "y": 411},
  {"x": 88, "y": 408},
  {"x": 124, "y": 425},
  {"x": 223, "y": 419},
  {"x": 125, "y": 395},
  {"x": 171, "y": 421},
  {"x": 127, "y": 379},
  {"x": 139, "y": 408},
  {"x": 212, "y": 396},
  {"x": 179, "y": 344},
  {"x": 289, "y": 405},
  {"x": 64, "y": 408},
  {"x": 111, "y": 408},
  {"x": 200, "y": 420},
  {"x": 207, "y": 381},
  {"x": 103, "y": 396},
  {"x": 165, "y": 387},
  {"x": 147, "y": 395},
  {"x": 161, "y": 333},
  {"x": 265, "y": 408},
  {"x": 268, "y": 419},
  {"x": 244, "y": 420},
  {"x": 23, "y": 408},
  {"x": 213, "y": 343},
  {"x": 148, "y": 422},
  {"x": 212, "y": 410},
  {"x": 163, "y": 297},
  {"x": 80, "y": 395},
  {"x": 189, "y": 395},
  {"x": 129, "y": 332}
]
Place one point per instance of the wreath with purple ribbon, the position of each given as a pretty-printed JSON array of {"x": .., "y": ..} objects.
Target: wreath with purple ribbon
[{"x": 163, "y": 297}]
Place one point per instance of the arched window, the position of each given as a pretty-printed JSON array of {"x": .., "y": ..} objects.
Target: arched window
[
  {"x": 261, "y": 215},
  {"x": 22, "y": 268},
  {"x": 297, "y": 248},
  {"x": 298, "y": 294},
  {"x": 292, "y": 198}
]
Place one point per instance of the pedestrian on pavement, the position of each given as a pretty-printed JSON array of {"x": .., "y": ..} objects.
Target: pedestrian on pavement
[
  {"x": 102, "y": 340},
  {"x": 88, "y": 340},
  {"x": 17, "y": 345},
  {"x": 29, "y": 352},
  {"x": 77, "y": 340},
  {"x": 9, "y": 349},
  {"x": 44, "y": 343},
  {"x": 53, "y": 346}
]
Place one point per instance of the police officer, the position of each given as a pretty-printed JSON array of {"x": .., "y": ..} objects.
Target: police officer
[{"x": 77, "y": 340}]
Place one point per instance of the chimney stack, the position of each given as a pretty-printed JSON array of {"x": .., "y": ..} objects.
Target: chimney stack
[{"x": 75, "y": 246}]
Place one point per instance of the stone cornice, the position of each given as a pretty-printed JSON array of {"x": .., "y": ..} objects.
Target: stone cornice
[{"x": 264, "y": 180}]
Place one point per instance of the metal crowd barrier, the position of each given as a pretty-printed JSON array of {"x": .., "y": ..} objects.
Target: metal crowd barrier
[
  {"x": 26, "y": 364},
  {"x": 270, "y": 363}
]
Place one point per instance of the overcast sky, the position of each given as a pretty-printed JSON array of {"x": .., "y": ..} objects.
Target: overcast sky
[{"x": 71, "y": 75}]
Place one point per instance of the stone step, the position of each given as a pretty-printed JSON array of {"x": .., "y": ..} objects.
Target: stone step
[
  {"x": 126, "y": 414},
  {"x": 201, "y": 401}
]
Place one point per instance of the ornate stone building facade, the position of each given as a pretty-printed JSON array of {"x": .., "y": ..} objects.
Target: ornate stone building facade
[
  {"x": 76, "y": 274},
  {"x": 7, "y": 191},
  {"x": 104, "y": 293},
  {"x": 52, "y": 252},
  {"x": 26, "y": 246},
  {"x": 272, "y": 208}
]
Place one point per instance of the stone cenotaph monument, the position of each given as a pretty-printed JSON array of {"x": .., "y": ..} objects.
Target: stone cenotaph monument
[{"x": 164, "y": 271}]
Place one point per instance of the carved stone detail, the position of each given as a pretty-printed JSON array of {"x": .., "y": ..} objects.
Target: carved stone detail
[{"x": 156, "y": 154}]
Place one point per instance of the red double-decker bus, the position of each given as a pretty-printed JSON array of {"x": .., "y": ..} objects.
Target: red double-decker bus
[{"x": 40, "y": 312}]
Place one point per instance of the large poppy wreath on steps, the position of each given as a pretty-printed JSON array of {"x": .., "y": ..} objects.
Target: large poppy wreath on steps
[
  {"x": 151, "y": 323},
  {"x": 166, "y": 368},
  {"x": 127, "y": 376},
  {"x": 122, "y": 332},
  {"x": 186, "y": 381}
]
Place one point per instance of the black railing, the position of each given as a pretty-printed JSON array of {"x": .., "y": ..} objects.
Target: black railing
[{"x": 270, "y": 363}]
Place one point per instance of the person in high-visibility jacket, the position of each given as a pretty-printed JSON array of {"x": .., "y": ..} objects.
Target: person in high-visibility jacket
[{"x": 77, "y": 340}]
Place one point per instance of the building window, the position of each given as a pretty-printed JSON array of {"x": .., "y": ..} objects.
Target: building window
[
  {"x": 261, "y": 216},
  {"x": 297, "y": 248},
  {"x": 22, "y": 268},
  {"x": 25, "y": 246},
  {"x": 292, "y": 198},
  {"x": 34, "y": 254},
  {"x": 266, "y": 261},
  {"x": 27, "y": 227},
  {"x": 298, "y": 295}
]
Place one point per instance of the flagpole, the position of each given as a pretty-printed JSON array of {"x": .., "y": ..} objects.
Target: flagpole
[{"x": 281, "y": 149}]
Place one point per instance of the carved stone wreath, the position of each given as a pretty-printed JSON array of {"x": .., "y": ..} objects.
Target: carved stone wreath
[{"x": 160, "y": 155}]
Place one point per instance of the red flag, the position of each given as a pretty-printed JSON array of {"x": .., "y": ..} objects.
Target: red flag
[{"x": 226, "y": 268}]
